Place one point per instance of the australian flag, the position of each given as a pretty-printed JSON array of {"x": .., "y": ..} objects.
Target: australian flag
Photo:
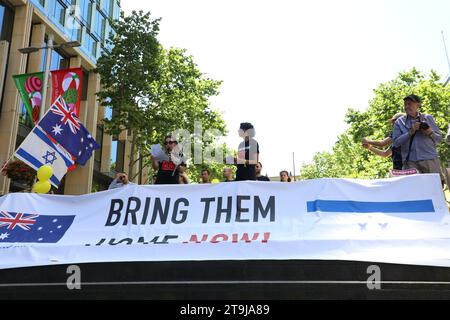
[
  {"x": 32, "y": 228},
  {"x": 64, "y": 126}
]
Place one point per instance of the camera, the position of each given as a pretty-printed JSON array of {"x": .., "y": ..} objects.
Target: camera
[{"x": 424, "y": 125}]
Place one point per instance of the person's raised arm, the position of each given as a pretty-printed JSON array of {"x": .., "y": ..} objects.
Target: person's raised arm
[
  {"x": 378, "y": 152},
  {"x": 378, "y": 143}
]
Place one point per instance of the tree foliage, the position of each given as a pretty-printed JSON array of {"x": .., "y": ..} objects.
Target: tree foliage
[
  {"x": 151, "y": 90},
  {"x": 349, "y": 159}
]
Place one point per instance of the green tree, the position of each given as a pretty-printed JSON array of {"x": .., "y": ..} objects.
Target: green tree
[
  {"x": 125, "y": 72},
  {"x": 151, "y": 90},
  {"x": 349, "y": 159}
]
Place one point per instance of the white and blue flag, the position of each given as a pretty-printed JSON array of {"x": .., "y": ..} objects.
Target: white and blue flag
[{"x": 38, "y": 150}]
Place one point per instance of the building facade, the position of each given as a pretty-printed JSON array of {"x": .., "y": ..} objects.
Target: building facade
[{"x": 25, "y": 23}]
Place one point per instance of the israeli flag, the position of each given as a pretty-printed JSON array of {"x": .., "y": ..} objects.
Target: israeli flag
[{"x": 37, "y": 150}]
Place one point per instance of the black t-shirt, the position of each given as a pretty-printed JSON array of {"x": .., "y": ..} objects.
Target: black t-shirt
[
  {"x": 167, "y": 173},
  {"x": 397, "y": 160},
  {"x": 262, "y": 178},
  {"x": 248, "y": 150}
]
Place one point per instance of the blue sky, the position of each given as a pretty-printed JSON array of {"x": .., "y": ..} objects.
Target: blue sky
[{"x": 293, "y": 68}]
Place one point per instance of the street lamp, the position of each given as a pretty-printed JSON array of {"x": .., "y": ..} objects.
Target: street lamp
[{"x": 50, "y": 46}]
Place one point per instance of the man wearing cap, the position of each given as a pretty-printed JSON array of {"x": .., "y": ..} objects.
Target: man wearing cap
[{"x": 418, "y": 136}]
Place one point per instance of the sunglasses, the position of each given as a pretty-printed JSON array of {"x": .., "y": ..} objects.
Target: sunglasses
[{"x": 170, "y": 142}]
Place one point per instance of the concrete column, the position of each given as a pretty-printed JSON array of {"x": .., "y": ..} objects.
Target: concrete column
[
  {"x": 127, "y": 153},
  {"x": 17, "y": 63},
  {"x": 80, "y": 181},
  {"x": 105, "y": 165},
  {"x": 136, "y": 168},
  {"x": 37, "y": 40},
  {"x": 146, "y": 179}
]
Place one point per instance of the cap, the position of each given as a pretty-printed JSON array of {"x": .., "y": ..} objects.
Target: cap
[{"x": 413, "y": 98}]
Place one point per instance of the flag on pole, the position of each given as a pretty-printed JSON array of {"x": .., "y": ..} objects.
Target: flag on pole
[
  {"x": 63, "y": 125},
  {"x": 67, "y": 83},
  {"x": 38, "y": 150},
  {"x": 30, "y": 89}
]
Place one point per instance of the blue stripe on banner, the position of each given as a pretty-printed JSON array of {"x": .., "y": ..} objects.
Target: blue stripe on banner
[
  {"x": 35, "y": 163},
  {"x": 367, "y": 207},
  {"x": 47, "y": 140}
]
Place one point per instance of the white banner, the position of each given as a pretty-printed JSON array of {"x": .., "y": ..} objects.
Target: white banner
[{"x": 401, "y": 220}]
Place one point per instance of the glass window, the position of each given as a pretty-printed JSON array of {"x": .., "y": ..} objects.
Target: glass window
[
  {"x": 98, "y": 23},
  {"x": 6, "y": 22},
  {"x": 85, "y": 11},
  {"x": 106, "y": 7},
  {"x": 57, "y": 61},
  {"x": 103, "y": 30},
  {"x": 58, "y": 11},
  {"x": 89, "y": 16},
  {"x": 74, "y": 30},
  {"x": 94, "y": 49},
  {"x": 116, "y": 11},
  {"x": 90, "y": 44}
]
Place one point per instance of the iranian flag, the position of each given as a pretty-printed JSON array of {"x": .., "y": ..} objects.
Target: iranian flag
[
  {"x": 67, "y": 83},
  {"x": 30, "y": 89}
]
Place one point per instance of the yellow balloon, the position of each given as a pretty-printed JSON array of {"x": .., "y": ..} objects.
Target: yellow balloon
[
  {"x": 215, "y": 181},
  {"x": 42, "y": 187},
  {"x": 45, "y": 173}
]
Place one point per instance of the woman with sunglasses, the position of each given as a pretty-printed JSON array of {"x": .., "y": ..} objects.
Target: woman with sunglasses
[{"x": 169, "y": 170}]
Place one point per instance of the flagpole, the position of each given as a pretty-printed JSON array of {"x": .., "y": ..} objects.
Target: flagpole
[
  {"x": 46, "y": 74},
  {"x": 6, "y": 163}
]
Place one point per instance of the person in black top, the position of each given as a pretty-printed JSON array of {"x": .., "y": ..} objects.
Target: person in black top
[
  {"x": 395, "y": 152},
  {"x": 259, "y": 176},
  {"x": 169, "y": 170},
  {"x": 248, "y": 153}
]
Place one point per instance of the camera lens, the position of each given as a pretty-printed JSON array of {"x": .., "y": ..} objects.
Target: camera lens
[{"x": 424, "y": 126}]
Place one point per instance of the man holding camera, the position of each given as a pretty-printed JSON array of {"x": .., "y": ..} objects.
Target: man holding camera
[
  {"x": 121, "y": 180},
  {"x": 418, "y": 136}
]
